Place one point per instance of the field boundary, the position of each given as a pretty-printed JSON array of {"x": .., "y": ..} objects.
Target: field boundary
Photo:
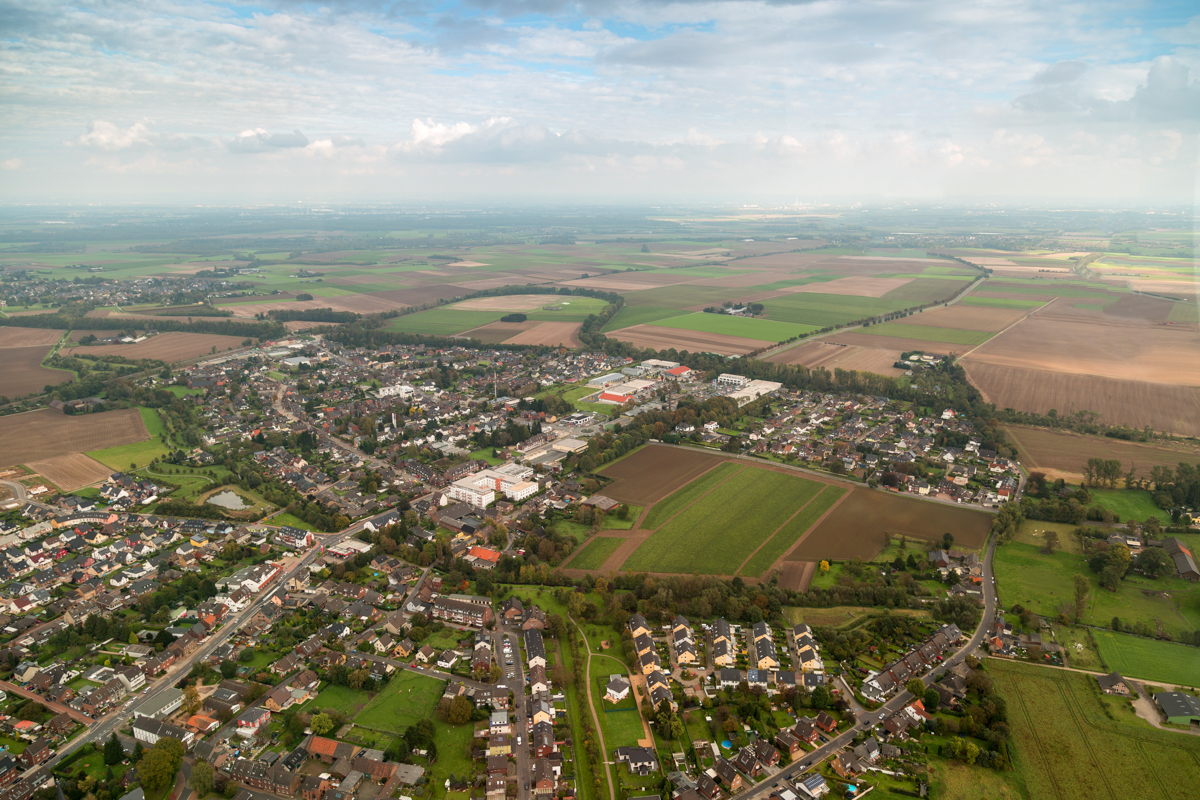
[
  {"x": 763, "y": 543},
  {"x": 816, "y": 524}
]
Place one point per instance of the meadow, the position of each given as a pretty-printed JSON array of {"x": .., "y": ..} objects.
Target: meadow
[
  {"x": 407, "y": 698},
  {"x": 137, "y": 453},
  {"x": 926, "y": 333},
  {"x": 1149, "y": 659},
  {"x": 1128, "y": 504}
]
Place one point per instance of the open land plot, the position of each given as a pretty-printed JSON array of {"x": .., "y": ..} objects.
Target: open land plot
[
  {"x": 926, "y": 333},
  {"x": 718, "y": 532},
  {"x": 853, "y": 286},
  {"x": 745, "y": 327},
  {"x": 22, "y": 373},
  {"x": 171, "y": 346},
  {"x": 837, "y": 616},
  {"x": 1149, "y": 659},
  {"x": 595, "y": 553},
  {"x": 1129, "y": 504},
  {"x": 979, "y": 299},
  {"x": 774, "y": 548},
  {"x": 653, "y": 472},
  {"x": 1161, "y": 406},
  {"x": 686, "y": 495},
  {"x": 12, "y": 336},
  {"x": 407, "y": 698},
  {"x": 136, "y": 454},
  {"x": 565, "y": 334},
  {"x": 858, "y": 338},
  {"x": 663, "y": 338},
  {"x": 71, "y": 472},
  {"x": 1066, "y": 747},
  {"x": 629, "y": 316},
  {"x": 497, "y": 332},
  {"x": 1062, "y": 454},
  {"x": 839, "y": 356},
  {"x": 524, "y": 302},
  {"x": 857, "y": 526},
  {"x": 444, "y": 321},
  {"x": 966, "y": 318},
  {"x": 44, "y": 434}
]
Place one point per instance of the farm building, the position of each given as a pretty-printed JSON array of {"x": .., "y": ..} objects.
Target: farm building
[{"x": 1179, "y": 708}]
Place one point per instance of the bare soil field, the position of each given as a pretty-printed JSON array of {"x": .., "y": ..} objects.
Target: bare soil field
[
  {"x": 170, "y": 346},
  {"x": 28, "y": 337},
  {"x": 71, "y": 472},
  {"x": 1079, "y": 342},
  {"x": 1062, "y": 454},
  {"x": 855, "y": 528},
  {"x": 492, "y": 283},
  {"x": 629, "y": 281},
  {"x": 897, "y": 344},
  {"x": 508, "y": 302},
  {"x": 741, "y": 281},
  {"x": 1042, "y": 298},
  {"x": 855, "y": 286},
  {"x": 830, "y": 356},
  {"x": 498, "y": 332},
  {"x": 22, "y": 373},
  {"x": 797, "y": 575},
  {"x": 654, "y": 472},
  {"x": 43, "y": 434},
  {"x": 550, "y": 333},
  {"x": 1181, "y": 289},
  {"x": 1175, "y": 409},
  {"x": 967, "y": 318},
  {"x": 467, "y": 264},
  {"x": 662, "y": 338},
  {"x": 1138, "y": 306},
  {"x": 401, "y": 298}
]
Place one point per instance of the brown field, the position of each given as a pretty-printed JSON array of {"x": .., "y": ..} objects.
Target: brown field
[
  {"x": 497, "y": 332},
  {"x": 22, "y": 373},
  {"x": 1012, "y": 295},
  {"x": 509, "y": 302},
  {"x": 661, "y": 338},
  {"x": 1138, "y": 306},
  {"x": 170, "y": 346},
  {"x": 830, "y": 356},
  {"x": 550, "y": 333},
  {"x": 795, "y": 576},
  {"x": 44, "y": 434},
  {"x": 787, "y": 262},
  {"x": 1061, "y": 454},
  {"x": 354, "y": 280},
  {"x": 629, "y": 281},
  {"x": 491, "y": 283},
  {"x": 855, "y": 527},
  {"x": 856, "y": 286},
  {"x": 467, "y": 264},
  {"x": 897, "y": 344},
  {"x": 1182, "y": 289},
  {"x": 967, "y": 318},
  {"x": 71, "y": 472},
  {"x": 740, "y": 281},
  {"x": 654, "y": 472},
  {"x": 1175, "y": 409},
  {"x": 28, "y": 337},
  {"x": 1080, "y": 342}
]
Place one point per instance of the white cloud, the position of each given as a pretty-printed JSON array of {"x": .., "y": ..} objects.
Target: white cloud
[
  {"x": 11, "y": 163},
  {"x": 258, "y": 140},
  {"x": 103, "y": 135}
]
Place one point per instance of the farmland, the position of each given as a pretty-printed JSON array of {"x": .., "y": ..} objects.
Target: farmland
[
  {"x": 744, "y": 327},
  {"x": 1149, "y": 659},
  {"x": 139, "y": 453},
  {"x": 1129, "y": 504},
  {"x": 595, "y": 553},
  {"x": 681, "y": 499},
  {"x": 647, "y": 475},
  {"x": 72, "y": 471},
  {"x": 721, "y": 529},
  {"x": 1064, "y": 454},
  {"x": 822, "y": 353},
  {"x": 45, "y": 434},
  {"x": 664, "y": 338},
  {"x": 927, "y": 333},
  {"x": 787, "y": 535},
  {"x": 857, "y": 526},
  {"x": 22, "y": 373},
  {"x": 170, "y": 347},
  {"x": 1066, "y": 747}
]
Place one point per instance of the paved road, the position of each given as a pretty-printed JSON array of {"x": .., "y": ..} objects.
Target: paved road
[
  {"x": 57, "y": 708},
  {"x": 18, "y": 490}
]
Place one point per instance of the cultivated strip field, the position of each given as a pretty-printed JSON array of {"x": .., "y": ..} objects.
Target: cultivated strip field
[
  {"x": 11, "y": 336},
  {"x": 1064, "y": 454},
  {"x": 44, "y": 434},
  {"x": 22, "y": 373},
  {"x": 170, "y": 347},
  {"x": 595, "y": 553},
  {"x": 563, "y": 334},
  {"x": 966, "y": 318},
  {"x": 774, "y": 548},
  {"x": 71, "y": 472},
  {"x": 1149, "y": 659},
  {"x": 830, "y": 355},
  {"x": 662, "y": 338},
  {"x": 653, "y": 472}
]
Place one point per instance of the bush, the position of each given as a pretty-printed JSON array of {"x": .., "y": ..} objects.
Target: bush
[{"x": 304, "y": 297}]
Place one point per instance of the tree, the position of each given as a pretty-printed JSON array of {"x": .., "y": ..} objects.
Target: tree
[
  {"x": 1051, "y": 542},
  {"x": 138, "y": 751},
  {"x": 947, "y": 540},
  {"x": 824, "y": 566},
  {"x": 931, "y": 700},
  {"x": 1119, "y": 559},
  {"x": 916, "y": 687},
  {"x": 1081, "y": 593},
  {"x": 191, "y": 699},
  {"x": 1155, "y": 563},
  {"x": 202, "y": 778},
  {"x": 821, "y": 698},
  {"x": 113, "y": 752},
  {"x": 228, "y": 669},
  {"x": 158, "y": 767},
  {"x": 321, "y": 724},
  {"x": 460, "y": 711},
  {"x": 246, "y": 656}
]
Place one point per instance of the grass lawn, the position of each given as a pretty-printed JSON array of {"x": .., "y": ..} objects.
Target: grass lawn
[
  {"x": 622, "y": 726},
  {"x": 595, "y": 553},
  {"x": 182, "y": 391},
  {"x": 824, "y": 580},
  {"x": 289, "y": 519},
  {"x": 263, "y": 658},
  {"x": 1065, "y": 746},
  {"x": 1128, "y": 504},
  {"x": 12, "y": 746},
  {"x": 629, "y": 316},
  {"x": 1149, "y": 659},
  {"x": 721, "y": 529},
  {"x": 927, "y": 333},
  {"x": 1033, "y": 532},
  {"x": 343, "y": 698},
  {"x": 725, "y": 324},
  {"x": 486, "y": 454},
  {"x": 786, "y": 536},
  {"x": 407, "y": 698},
  {"x": 139, "y": 453},
  {"x": 675, "y": 502}
]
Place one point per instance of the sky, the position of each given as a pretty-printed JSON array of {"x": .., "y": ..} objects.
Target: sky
[{"x": 119, "y": 101}]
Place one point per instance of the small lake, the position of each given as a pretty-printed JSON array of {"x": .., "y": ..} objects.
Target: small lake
[{"x": 228, "y": 500}]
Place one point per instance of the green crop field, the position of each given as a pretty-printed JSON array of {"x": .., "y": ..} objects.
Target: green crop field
[
  {"x": 595, "y": 553},
  {"x": 139, "y": 453},
  {"x": 765, "y": 329},
  {"x": 1065, "y": 746},
  {"x": 675, "y": 502},
  {"x": 720, "y": 530},
  {"x": 444, "y": 321},
  {"x": 629, "y": 316},
  {"x": 407, "y": 698},
  {"x": 1000, "y": 302},
  {"x": 927, "y": 333},
  {"x": 1129, "y": 504},
  {"x": 1149, "y": 659},
  {"x": 786, "y": 536}
]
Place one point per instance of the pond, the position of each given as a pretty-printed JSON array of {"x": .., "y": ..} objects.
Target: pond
[{"x": 229, "y": 500}]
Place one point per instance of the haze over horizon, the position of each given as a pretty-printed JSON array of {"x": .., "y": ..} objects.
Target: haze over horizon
[{"x": 597, "y": 101}]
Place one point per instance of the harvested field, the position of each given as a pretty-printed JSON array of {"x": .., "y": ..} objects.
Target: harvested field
[
  {"x": 11, "y": 336},
  {"x": 1062, "y": 454},
  {"x": 1163, "y": 407},
  {"x": 856, "y": 286},
  {"x": 655, "y": 471},
  {"x": 498, "y": 332},
  {"x": 630, "y": 281},
  {"x": 839, "y": 356},
  {"x": 508, "y": 302},
  {"x": 856, "y": 527},
  {"x": 563, "y": 334},
  {"x": 896, "y": 343},
  {"x": 71, "y": 472},
  {"x": 1041, "y": 298},
  {"x": 661, "y": 338},
  {"x": 967, "y": 318},
  {"x": 740, "y": 281},
  {"x": 467, "y": 264},
  {"x": 44, "y": 434},
  {"x": 22, "y": 373},
  {"x": 795, "y": 576},
  {"x": 169, "y": 347},
  {"x": 1139, "y": 306}
]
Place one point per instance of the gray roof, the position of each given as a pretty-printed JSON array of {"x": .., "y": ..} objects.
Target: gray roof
[{"x": 1178, "y": 704}]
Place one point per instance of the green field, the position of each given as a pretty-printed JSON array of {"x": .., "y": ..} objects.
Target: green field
[
  {"x": 343, "y": 698},
  {"x": 675, "y": 502},
  {"x": 443, "y": 321},
  {"x": 595, "y": 553},
  {"x": 786, "y": 536},
  {"x": 1129, "y": 504},
  {"x": 407, "y": 698},
  {"x": 629, "y": 316},
  {"x": 746, "y": 327},
  {"x": 999, "y": 302},
  {"x": 1149, "y": 659},
  {"x": 927, "y": 333},
  {"x": 622, "y": 723},
  {"x": 139, "y": 453},
  {"x": 721, "y": 529},
  {"x": 1065, "y": 746},
  {"x": 290, "y": 519}
]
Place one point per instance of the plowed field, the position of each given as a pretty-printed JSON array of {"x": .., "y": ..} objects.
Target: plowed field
[
  {"x": 835, "y": 356},
  {"x": 550, "y": 333},
  {"x": 662, "y": 338},
  {"x": 1064, "y": 455},
  {"x": 169, "y": 347},
  {"x": 45, "y": 434},
  {"x": 855, "y": 286},
  {"x": 654, "y": 472},
  {"x": 22, "y": 373},
  {"x": 71, "y": 472},
  {"x": 27, "y": 337}
]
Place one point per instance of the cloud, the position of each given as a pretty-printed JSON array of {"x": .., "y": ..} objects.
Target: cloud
[
  {"x": 258, "y": 140},
  {"x": 695, "y": 137},
  {"x": 102, "y": 135},
  {"x": 1059, "y": 72},
  {"x": 11, "y": 163}
]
